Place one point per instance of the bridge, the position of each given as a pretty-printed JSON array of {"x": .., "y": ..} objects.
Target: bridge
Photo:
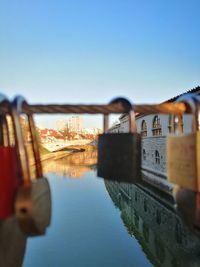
[
  {"x": 30, "y": 205},
  {"x": 61, "y": 144}
]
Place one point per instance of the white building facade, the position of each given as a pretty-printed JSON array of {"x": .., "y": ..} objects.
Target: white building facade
[{"x": 154, "y": 130}]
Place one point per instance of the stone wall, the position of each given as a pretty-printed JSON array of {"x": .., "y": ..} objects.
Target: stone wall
[{"x": 150, "y": 145}]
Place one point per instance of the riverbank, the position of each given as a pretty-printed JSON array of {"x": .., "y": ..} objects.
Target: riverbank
[
  {"x": 67, "y": 151},
  {"x": 60, "y": 144}
]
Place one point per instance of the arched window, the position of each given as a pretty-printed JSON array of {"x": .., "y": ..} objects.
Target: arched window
[
  {"x": 144, "y": 154},
  {"x": 175, "y": 124},
  {"x": 170, "y": 123},
  {"x": 144, "y": 128},
  {"x": 178, "y": 124},
  {"x": 157, "y": 157},
  {"x": 157, "y": 129}
]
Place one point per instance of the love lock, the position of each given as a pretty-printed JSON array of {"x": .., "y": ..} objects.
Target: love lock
[
  {"x": 33, "y": 200},
  {"x": 9, "y": 181},
  {"x": 183, "y": 150},
  {"x": 119, "y": 154},
  {"x": 183, "y": 155}
]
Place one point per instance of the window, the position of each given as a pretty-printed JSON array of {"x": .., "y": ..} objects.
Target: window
[
  {"x": 157, "y": 129},
  {"x": 178, "y": 124},
  {"x": 144, "y": 154},
  {"x": 157, "y": 157},
  {"x": 175, "y": 124},
  {"x": 144, "y": 128},
  {"x": 170, "y": 124}
]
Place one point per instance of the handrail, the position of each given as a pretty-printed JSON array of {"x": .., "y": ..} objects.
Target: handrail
[
  {"x": 115, "y": 108},
  {"x": 166, "y": 108}
]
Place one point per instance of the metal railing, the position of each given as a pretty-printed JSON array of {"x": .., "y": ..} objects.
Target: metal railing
[{"x": 115, "y": 108}]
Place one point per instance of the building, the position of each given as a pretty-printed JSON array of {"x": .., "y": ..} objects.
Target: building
[
  {"x": 116, "y": 128},
  {"x": 75, "y": 124},
  {"x": 154, "y": 129},
  {"x": 92, "y": 131}
]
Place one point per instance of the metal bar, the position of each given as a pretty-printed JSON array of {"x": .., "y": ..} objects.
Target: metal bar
[
  {"x": 105, "y": 123},
  {"x": 35, "y": 147},
  {"x": 165, "y": 108}
]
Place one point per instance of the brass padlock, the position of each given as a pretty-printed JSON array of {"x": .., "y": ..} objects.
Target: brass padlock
[
  {"x": 33, "y": 200},
  {"x": 119, "y": 154},
  {"x": 183, "y": 150}
]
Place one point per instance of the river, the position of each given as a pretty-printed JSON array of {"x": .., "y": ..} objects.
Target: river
[{"x": 104, "y": 223}]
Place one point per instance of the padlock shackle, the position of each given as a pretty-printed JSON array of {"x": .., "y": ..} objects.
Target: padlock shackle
[
  {"x": 128, "y": 106},
  {"x": 16, "y": 110},
  {"x": 3, "y": 121},
  {"x": 4, "y": 100},
  {"x": 193, "y": 101},
  {"x": 34, "y": 139},
  {"x": 105, "y": 123},
  {"x": 132, "y": 122},
  {"x": 196, "y": 119},
  {"x": 35, "y": 146},
  {"x": 20, "y": 144}
]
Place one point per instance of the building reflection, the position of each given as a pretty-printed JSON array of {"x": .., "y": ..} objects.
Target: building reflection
[
  {"x": 165, "y": 239},
  {"x": 73, "y": 165}
]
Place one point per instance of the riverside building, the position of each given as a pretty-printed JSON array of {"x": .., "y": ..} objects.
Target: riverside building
[{"x": 154, "y": 130}]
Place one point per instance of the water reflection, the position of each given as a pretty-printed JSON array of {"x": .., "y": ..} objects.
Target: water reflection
[
  {"x": 73, "y": 165},
  {"x": 87, "y": 229},
  {"x": 161, "y": 233}
]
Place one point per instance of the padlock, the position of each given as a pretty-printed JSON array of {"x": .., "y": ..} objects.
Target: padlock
[
  {"x": 33, "y": 200},
  {"x": 8, "y": 169},
  {"x": 119, "y": 154},
  {"x": 183, "y": 150}
]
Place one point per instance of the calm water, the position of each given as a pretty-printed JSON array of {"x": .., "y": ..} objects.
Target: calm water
[{"x": 98, "y": 223}]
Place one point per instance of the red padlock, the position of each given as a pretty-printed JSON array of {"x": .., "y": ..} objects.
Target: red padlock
[
  {"x": 8, "y": 181},
  {"x": 8, "y": 168}
]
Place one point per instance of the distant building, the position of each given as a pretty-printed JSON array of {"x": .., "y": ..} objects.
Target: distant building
[
  {"x": 75, "y": 124},
  {"x": 50, "y": 135}
]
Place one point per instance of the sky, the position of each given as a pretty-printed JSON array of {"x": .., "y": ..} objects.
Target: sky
[{"x": 89, "y": 51}]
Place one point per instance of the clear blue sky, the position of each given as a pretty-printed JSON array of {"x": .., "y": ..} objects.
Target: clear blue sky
[{"x": 90, "y": 51}]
